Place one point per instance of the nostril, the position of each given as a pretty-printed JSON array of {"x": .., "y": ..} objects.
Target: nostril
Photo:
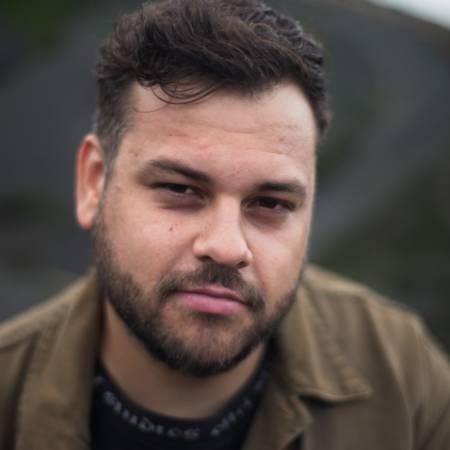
[
  {"x": 206, "y": 258},
  {"x": 241, "y": 265}
]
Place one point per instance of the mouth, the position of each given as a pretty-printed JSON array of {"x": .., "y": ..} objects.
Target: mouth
[{"x": 212, "y": 300}]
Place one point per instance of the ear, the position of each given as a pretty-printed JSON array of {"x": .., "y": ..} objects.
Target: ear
[{"x": 90, "y": 180}]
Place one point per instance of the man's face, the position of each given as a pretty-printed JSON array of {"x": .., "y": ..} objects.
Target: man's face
[{"x": 203, "y": 227}]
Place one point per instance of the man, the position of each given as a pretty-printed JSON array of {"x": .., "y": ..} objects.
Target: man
[{"x": 201, "y": 326}]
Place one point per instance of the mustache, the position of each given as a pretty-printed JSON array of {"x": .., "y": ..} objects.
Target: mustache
[{"x": 211, "y": 273}]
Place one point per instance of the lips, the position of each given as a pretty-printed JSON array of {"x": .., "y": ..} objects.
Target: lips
[
  {"x": 212, "y": 300},
  {"x": 218, "y": 292}
]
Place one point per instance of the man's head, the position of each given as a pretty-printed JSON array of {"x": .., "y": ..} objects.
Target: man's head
[
  {"x": 190, "y": 49},
  {"x": 212, "y": 125}
]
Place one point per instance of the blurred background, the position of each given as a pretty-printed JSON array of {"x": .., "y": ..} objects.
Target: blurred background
[{"x": 383, "y": 209}]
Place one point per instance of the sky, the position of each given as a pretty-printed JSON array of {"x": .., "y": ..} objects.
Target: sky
[{"x": 433, "y": 10}]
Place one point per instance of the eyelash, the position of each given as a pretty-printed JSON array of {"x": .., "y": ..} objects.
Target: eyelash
[
  {"x": 279, "y": 204},
  {"x": 175, "y": 188}
]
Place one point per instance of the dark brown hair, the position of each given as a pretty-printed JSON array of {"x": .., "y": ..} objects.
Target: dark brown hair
[{"x": 190, "y": 48}]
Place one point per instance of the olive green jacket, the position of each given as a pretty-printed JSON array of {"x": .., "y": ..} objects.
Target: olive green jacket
[{"x": 351, "y": 372}]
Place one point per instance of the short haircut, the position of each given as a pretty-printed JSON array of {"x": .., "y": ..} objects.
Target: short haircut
[{"x": 191, "y": 48}]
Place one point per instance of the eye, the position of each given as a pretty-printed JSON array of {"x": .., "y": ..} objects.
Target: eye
[
  {"x": 178, "y": 195},
  {"x": 175, "y": 188},
  {"x": 273, "y": 204}
]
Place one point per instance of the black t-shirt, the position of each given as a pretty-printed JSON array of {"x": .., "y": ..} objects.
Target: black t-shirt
[{"x": 119, "y": 424}]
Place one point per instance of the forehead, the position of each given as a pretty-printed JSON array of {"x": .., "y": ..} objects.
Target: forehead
[{"x": 274, "y": 126}]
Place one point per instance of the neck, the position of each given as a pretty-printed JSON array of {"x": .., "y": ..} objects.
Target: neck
[{"x": 156, "y": 387}]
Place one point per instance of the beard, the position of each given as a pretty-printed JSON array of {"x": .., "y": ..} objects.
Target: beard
[{"x": 191, "y": 342}]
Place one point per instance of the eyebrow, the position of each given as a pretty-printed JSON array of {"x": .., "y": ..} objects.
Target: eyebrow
[
  {"x": 290, "y": 187},
  {"x": 171, "y": 166}
]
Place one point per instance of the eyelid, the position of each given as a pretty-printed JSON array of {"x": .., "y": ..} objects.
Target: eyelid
[
  {"x": 168, "y": 185},
  {"x": 165, "y": 187},
  {"x": 285, "y": 204}
]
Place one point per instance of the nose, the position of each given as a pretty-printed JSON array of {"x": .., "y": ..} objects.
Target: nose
[{"x": 221, "y": 238}]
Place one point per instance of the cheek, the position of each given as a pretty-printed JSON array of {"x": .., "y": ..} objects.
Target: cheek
[
  {"x": 278, "y": 264},
  {"x": 146, "y": 242}
]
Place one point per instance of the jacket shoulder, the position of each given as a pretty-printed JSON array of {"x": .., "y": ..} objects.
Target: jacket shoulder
[
  {"x": 19, "y": 341},
  {"x": 362, "y": 321},
  {"x": 28, "y": 324},
  {"x": 334, "y": 294},
  {"x": 390, "y": 346}
]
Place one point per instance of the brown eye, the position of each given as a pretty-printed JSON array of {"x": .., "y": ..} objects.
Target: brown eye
[
  {"x": 273, "y": 204},
  {"x": 179, "y": 189},
  {"x": 178, "y": 196}
]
